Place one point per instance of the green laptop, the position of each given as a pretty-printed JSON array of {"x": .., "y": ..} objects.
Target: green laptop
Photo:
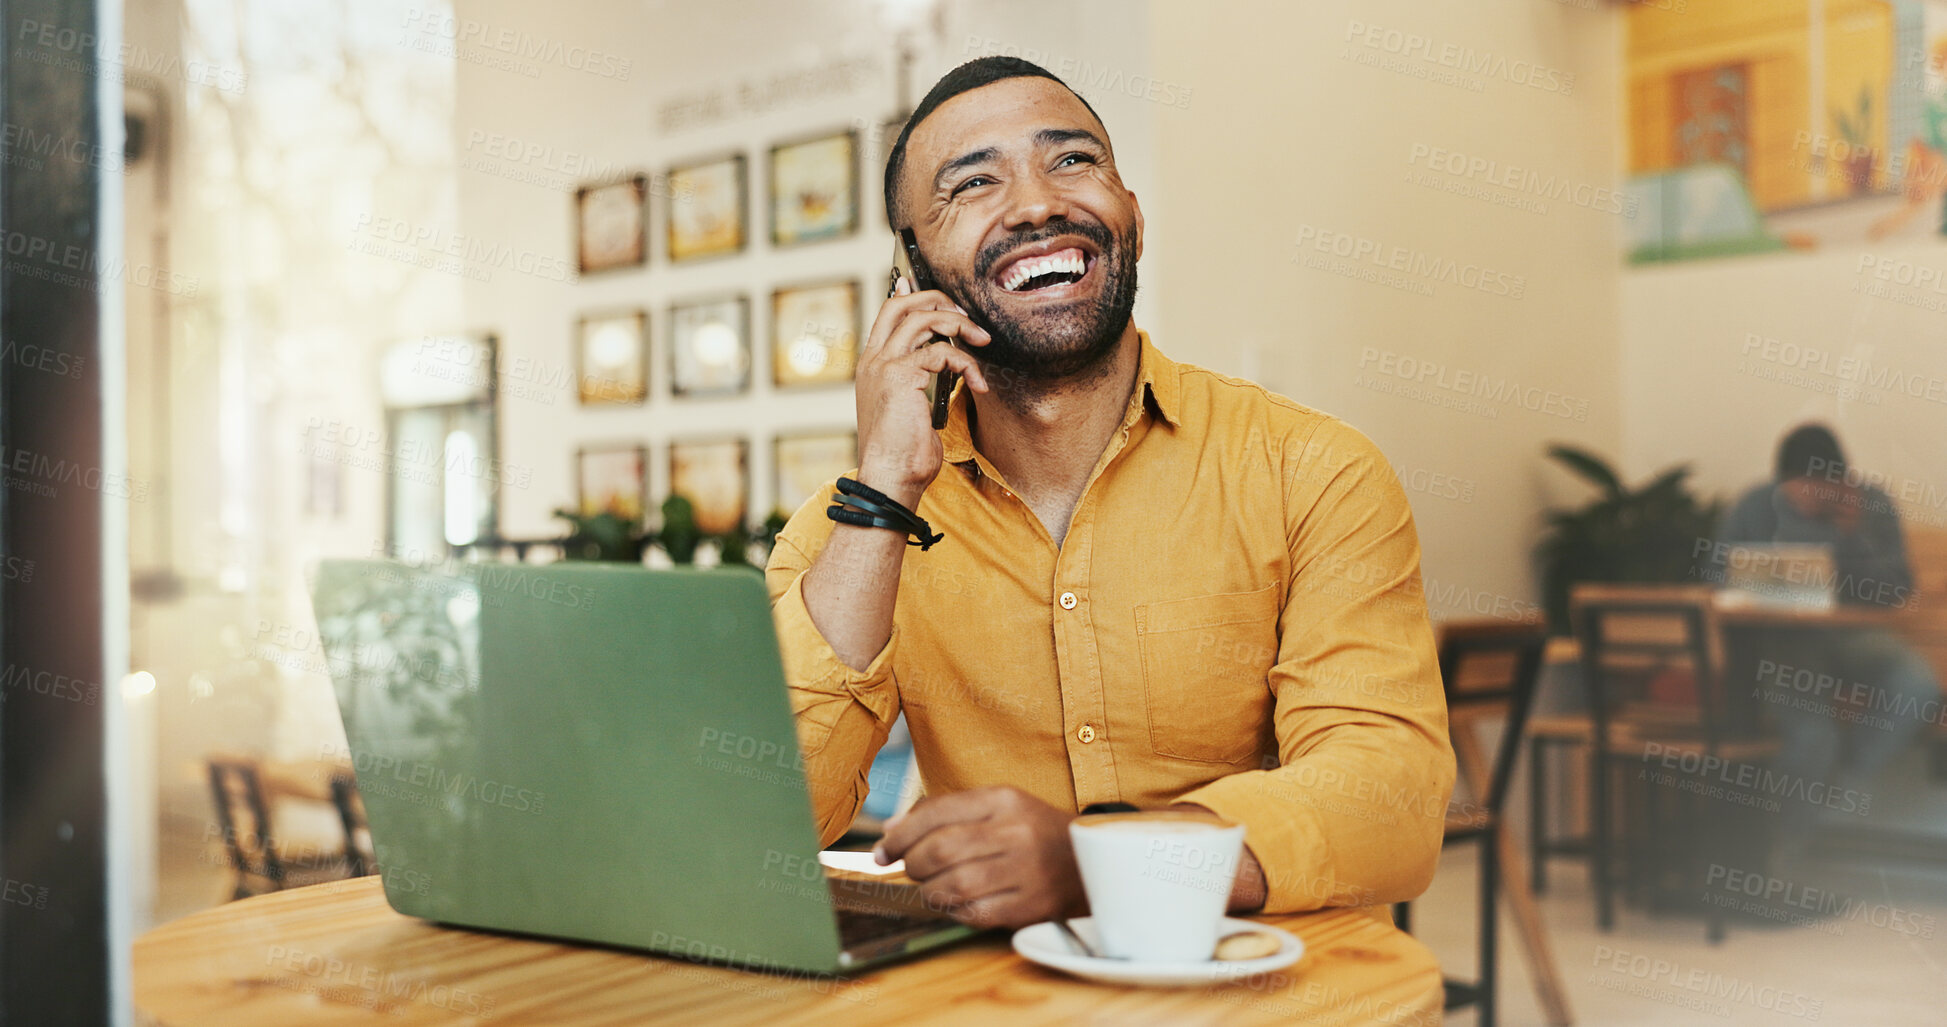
[{"x": 594, "y": 753}]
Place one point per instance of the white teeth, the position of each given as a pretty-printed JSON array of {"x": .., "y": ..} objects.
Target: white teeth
[{"x": 1070, "y": 260}]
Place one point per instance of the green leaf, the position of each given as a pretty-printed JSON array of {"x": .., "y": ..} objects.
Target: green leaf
[
  {"x": 1648, "y": 534},
  {"x": 1589, "y": 467}
]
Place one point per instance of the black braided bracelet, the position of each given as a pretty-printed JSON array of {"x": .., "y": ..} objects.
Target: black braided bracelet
[
  {"x": 871, "y": 515},
  {"x": 854, "y": 487},
  {"x": 859, "y": 504},
  {"x": 861, "y": 497},
  {"x": 864, "y": 519}
]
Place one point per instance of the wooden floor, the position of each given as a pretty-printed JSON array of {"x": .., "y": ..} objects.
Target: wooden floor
[{"x": 1857, "y": 970}]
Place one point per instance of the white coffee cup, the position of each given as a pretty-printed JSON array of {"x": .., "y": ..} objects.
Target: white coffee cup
[{"x": 1158, "y": 881}]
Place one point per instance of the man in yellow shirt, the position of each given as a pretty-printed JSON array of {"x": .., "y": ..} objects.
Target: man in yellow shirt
[{"x": 1158, "y": 585}]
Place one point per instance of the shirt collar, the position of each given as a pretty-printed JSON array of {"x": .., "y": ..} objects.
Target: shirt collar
[{"x": 1156, "y": 377}]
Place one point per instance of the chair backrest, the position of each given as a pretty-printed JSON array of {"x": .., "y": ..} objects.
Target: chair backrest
[
  {"x": 1926, "y": 556},
  {"x": 1489, "y": 667},
  {"x": 236, "y": 787},
  {"x": 359, "y": 859},
  {"x": 1631, "y": 635},
  {"x": 1924, "y": 621}
]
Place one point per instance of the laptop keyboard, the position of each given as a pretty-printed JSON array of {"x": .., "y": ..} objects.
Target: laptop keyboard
[{"x": 856, "y": 929}]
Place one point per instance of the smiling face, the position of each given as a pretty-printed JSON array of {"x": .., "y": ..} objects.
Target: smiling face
[{"x": 1012, "y": 192}]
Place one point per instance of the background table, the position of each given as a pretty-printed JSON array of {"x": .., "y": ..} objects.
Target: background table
[
  {"x": 1748, "y": 615},
  {"x": 337, "y": 954}
]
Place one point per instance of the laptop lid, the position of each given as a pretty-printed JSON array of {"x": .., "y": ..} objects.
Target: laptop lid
[
  {"x": 598, "y": 753},
  {"x": 1783, "y": 574}
]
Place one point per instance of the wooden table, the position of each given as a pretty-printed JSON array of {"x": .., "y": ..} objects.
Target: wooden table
[
  {"x": 1564, "y": 649},
  {"x": 337, "y": 954},
  {"x": 1757, "y": 615}
]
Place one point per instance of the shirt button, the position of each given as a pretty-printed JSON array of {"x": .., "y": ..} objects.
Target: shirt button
[
  {"x": 1068, "y": 603},
  {"x": 1086, "y": 733}
]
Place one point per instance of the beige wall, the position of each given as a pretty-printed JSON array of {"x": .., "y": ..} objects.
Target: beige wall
[
  {"x": 1316, "y": 117},
  {"x": 1722, "y": 357}
]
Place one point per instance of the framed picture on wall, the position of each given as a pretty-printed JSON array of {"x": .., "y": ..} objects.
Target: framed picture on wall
[
  {"x": 814, "y": 192},
  {"x": 612, "y": 478},
  {"x": 611, "y": 225},
  {"x": 814, "y": 333},
  {"x": 806, "y": 462},
  {"x": 706, "y": 208},
  {"x": 714, "y": 475},
  {"x": 612, "y": 358},
  {"x": 710, "y": 346}
]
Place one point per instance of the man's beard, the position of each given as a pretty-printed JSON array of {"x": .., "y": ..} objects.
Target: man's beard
[{"x": 1056, "y": 346}]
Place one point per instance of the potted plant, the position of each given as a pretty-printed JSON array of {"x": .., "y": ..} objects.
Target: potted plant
[
  {"x": 602, "y": 536},
  {"x": 1648, "y": 534},
  {"x": 605, "y": 536},
  {"x": 679, "y": 535},
  {"x": 733, "y": 549}
]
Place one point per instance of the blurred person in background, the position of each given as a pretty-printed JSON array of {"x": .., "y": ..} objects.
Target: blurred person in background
[{"x": 1816, "y": 498}]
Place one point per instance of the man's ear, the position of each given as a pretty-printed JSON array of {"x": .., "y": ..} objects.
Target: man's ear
[{"x": 1138, "y": 208}]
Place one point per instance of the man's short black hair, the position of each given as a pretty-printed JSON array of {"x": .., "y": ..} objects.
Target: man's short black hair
[
  {"x": 978, "y": 72},
  {"x": 1811, "y": 450}
]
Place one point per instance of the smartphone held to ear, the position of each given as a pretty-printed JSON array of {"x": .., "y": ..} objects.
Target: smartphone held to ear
[{"x": 907, "y": 263}]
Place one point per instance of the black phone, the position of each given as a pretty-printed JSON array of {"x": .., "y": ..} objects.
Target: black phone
[{"x": 907, "y": 263}]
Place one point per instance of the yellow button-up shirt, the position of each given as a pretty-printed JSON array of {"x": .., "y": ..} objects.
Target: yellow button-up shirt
[{"x": 1234, "y": 619}]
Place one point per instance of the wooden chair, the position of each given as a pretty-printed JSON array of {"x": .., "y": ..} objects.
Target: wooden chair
[
  {"x": 351, "y": 818},
  {"x": 1923, "y": 622},
  {"x": 1630, "y": 638},
  {"x": 1488, "y": 669},
  {"x": 243, "y": 789}
]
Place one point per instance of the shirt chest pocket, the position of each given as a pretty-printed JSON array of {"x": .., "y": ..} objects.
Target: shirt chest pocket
[{"x": 1205, "y": 665}]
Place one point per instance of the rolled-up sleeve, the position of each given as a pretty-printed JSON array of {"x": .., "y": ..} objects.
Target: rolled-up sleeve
[
  {"x": 1354, "y": 814},
  {"x": 843, "y": 715}
]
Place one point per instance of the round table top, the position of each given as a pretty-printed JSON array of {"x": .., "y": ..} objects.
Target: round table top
[{"x": 337, "y": 954}]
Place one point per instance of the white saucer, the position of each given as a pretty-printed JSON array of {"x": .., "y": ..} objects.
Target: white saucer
[{"x": 1043, "y": 943}]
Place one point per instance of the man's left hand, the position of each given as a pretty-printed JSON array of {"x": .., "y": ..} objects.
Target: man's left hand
[{"x": 989, "y": 857}]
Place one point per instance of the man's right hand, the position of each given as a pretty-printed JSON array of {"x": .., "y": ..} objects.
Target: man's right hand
[
  {"x": 899, "y": 453},
  {"x": 853, "y": 583}
]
